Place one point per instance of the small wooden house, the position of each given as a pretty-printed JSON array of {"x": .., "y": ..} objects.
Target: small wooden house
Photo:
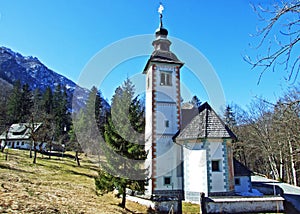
[{"x": 18, "y": 136}]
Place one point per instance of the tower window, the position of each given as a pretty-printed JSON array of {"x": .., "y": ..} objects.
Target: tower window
[
  {"x": 167, "y": 180},
  {"x": 237, "y": 181},
  {"x": 166, "y": 78},
  {"x": 167, "y": 124},
  {"x": 215, "y": 166}
]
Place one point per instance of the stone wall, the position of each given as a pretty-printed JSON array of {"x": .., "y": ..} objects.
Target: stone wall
[{"x": 244, "y": 204}]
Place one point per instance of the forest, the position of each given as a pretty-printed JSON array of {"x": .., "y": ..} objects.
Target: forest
[{"x": 268, "y": 135}]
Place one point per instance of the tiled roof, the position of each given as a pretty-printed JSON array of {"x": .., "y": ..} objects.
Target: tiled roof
[
  {"x": 19, "y": 131},
  {"x": 203, "y": 123},
  {"x": 240, "y": 169}
]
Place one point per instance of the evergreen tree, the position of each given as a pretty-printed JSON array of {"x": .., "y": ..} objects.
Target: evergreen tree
[
  {"x": 47, "y": 101},
  {"x": 89, "y": 123},
  {"x": 195, "y": 101},
  {"x": 124, "y": 144},
  {"x": 62, "y": 117},
  {"x": 229, "y": 117},
  {"x": 20, "y": 103},
  {"x": 94, "y": 109},
  {"x": 26, "y": 103},
  {"x": 37, "y": 103},
  {"x": 15, "y": 104},
  {"x": 5, "y": 94},
  {"x": 74, "y": 145}
]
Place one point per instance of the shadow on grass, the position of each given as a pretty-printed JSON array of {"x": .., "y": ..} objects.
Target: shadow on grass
[
  {"x": 4, "y": 166},
  {"x": 80, "y": 173}
]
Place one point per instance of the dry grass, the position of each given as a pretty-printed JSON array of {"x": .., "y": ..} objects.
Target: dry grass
[{"x": 54, "y": 185}]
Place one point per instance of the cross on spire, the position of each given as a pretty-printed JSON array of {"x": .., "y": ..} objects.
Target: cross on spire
[{"x": 160, "y": 11}]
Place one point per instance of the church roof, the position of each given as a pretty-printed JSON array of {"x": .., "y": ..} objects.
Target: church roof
[
  {"x": 203, "y": 123},
  {"x": 240, "y": 169}
]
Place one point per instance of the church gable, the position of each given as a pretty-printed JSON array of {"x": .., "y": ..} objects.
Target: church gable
[{"x": 206, "y": 124}]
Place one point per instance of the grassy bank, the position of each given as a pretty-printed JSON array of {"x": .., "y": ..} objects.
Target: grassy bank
[{"x": 53, "y": 185}]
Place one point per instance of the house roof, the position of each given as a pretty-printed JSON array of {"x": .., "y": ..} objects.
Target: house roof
[
  {"x": 19, "y": 131},
  {"x": 240, "y": 169},
  {"x": 203, "y": 122}
]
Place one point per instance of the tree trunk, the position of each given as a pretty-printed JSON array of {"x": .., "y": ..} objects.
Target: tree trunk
[
  {"x": 294, "y": 174},
  {"x": 50, "y": 150},
  {"x": 281, "y": 166},
  {"x": 34, "y": 158},
  {"x": 2, "y": 149},
  {"x": 6, "y": 155},
  {"x": 77, "y": 158},
  {"x": 273, "y": 166},
  {"x": 123, "y": 197}
]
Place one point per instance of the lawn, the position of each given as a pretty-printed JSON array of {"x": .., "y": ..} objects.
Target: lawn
[{"x": 55, "y": 185}]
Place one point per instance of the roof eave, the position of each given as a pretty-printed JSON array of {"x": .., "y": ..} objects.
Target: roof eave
[{"x": 152, "y": 60}]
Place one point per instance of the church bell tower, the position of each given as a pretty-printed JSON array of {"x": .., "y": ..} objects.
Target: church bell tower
[{"x": 163, "y": 117}]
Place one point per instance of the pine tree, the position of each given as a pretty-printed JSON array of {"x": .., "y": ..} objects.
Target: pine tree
[
  {"x": 26, "y": 103},
  {"x": 47, "y": 101},
  {"x": 89, "y": 123},
  {"x": 195, "y": 101},
  {"x": 14, "y": 104},
  {"x": 124, "y": 144},
  {"x": 229, "y": 117},
  {"x": 37, "y": 102},
  {"x": 61, "y": 114}
]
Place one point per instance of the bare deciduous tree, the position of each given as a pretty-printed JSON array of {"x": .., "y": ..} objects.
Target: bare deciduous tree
[
  {"x": 279, "y": 39},
  {"x": 269, "y": 137}
]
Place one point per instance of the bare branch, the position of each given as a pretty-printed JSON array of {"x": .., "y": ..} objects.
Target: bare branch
[{"x": 285, "y": 19}]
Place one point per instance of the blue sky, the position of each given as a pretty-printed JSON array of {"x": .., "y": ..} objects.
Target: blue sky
[{"x": 65, "y": 35}]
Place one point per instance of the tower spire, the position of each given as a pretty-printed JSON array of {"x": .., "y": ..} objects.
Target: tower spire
[{"x": 161, "y": 31}]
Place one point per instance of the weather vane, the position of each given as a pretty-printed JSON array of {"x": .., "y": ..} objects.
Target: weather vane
[{"x": 160, "y": 10}]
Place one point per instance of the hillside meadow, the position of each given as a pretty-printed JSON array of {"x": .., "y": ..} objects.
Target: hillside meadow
[
  {"x": 56, "y": 185},
  {"x": 53, "y": 185}
]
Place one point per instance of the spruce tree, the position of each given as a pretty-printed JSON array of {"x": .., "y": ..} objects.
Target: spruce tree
[
  {"x": 229, "y": 117},
  {"x": 47, "y": 101},
  {"x": 124, "y": 144},
  {"x": 61, "y": 114},
  {"x": 26, "y": 103},
  {"x": 89, "y": 123},
  {"x": 15, "y": 104},
  {"x": 37, "y": 103},
  {"x": 195, "y": 101}
]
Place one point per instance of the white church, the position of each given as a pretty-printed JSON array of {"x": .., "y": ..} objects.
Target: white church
[{"x": 190, "y": 149}]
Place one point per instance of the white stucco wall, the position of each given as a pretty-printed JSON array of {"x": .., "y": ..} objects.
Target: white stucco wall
[
  {"x": 195, "y": 172},
  {"x": 168, "y": 160},
  {"x": 217, "y": 183},
  {"x": 245, "y": 184},
  {"x": 166, "y": 112},
  {"x": 166, "y": 154}
]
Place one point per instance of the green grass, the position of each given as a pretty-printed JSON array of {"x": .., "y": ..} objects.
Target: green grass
[
  {"x": 55, "y": 185},
  {"x": 190, "y": 208}
]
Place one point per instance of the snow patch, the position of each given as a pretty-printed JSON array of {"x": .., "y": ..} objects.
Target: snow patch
[{"x": 254, "y": 192}]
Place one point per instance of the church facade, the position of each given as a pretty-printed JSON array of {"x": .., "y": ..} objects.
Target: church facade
[{"x": 189, "y": 150}]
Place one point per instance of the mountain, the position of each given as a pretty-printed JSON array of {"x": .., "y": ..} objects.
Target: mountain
[{"x": 28, "y": 69}]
